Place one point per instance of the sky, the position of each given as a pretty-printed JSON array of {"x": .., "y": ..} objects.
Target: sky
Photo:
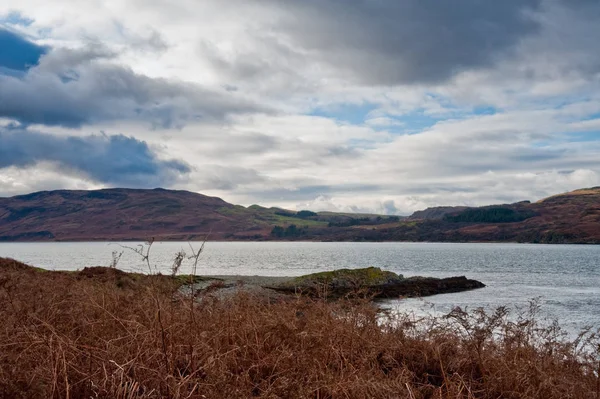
[{"x": 380, "y": 106}]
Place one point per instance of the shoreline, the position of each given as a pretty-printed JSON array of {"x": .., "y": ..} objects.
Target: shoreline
[
  {"x": 133, "y": 240},
  {"x": 370, "y": 282}
]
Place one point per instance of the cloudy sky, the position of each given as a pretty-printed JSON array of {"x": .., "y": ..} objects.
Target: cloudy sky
[{"x": 383, "y": 106}]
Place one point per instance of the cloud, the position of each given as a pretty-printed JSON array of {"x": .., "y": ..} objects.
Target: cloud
[
  {"x": 390, "y": 207},
  {"x": 115, "y": 160},
  {"x": 40, "y": 177},
  {"x": 227, "y": 178},
  {"x": 478, "y": 190},
  {"x": 565, "y": 47},
  {"x": 391, "y": 42},
  {"x": 472, "y": 53},
  {"x": 383, "y": 106},
  {"x": 73, "y": 87},
  {"x": 325, "y": 203},
  {"x": 322, "y": 203},
  {"x": 309, "y": 192},
  {"x": 18, "y": 53}
]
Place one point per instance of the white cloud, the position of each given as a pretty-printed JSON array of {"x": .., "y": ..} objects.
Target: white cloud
[{"x": 43, "y": 176}]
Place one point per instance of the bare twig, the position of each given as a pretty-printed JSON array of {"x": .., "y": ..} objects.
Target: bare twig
[
  {"x": 179, "y": 257},
  {"x": 142, "y": 250},
  {"x": 116, "y": 257},
  {"x": 196, "y": 255}
]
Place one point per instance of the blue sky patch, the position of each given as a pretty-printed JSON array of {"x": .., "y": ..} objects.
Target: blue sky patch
[
  {"x": 485, "y": 111},
  {"x": 16, "y": 18},
  {"x": 359, "y": 114},
  {"x": 355, "y": 114},
  {"x": 17, "y": 52},
  {"x": 415, "y": 122},
  {"x": 584, "y": 136}
]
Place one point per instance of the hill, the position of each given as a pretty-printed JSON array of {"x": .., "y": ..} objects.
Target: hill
[
  {"x": 130, "y": 214},
  {"x": 572, "y": 217},
  {"x": 135, "y": 214}
]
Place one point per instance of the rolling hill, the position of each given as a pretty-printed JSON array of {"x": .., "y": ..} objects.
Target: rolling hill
[
  {"x": 135, "y": 214},
  {"x": 572, "y": 217}
]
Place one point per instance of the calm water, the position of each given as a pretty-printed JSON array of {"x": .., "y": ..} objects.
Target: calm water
[{"x": 567, "y": 278}]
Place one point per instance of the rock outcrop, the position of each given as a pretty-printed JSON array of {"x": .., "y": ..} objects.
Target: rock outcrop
[{"x": 373, "y": 282}]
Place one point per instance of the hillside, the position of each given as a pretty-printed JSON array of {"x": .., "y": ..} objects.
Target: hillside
[
  {"x": 128, "y": 214},
  {"x": 132, "y": 214},
  {"x": 572, "y": 217},
  {"x": 437, "y": 212}
]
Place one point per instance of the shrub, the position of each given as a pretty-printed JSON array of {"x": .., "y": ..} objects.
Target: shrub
[
  {"x": 78, "y": 335},
  {"x": 305, "y": 214},
  {"x": 490, "y": 215}
]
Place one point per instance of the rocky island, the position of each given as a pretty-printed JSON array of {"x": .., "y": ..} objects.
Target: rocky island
[{"x": 371, "y": 282}]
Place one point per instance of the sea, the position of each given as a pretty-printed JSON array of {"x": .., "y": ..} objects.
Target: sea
[{"x": 563, "y": 279}]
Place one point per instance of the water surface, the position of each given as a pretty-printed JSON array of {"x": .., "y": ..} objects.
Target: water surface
[{"x": 566, "y": 277}]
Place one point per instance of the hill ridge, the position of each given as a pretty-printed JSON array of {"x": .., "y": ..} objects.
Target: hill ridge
[{"x": 137, "y": 214}]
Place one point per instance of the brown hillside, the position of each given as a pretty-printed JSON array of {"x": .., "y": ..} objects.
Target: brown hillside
[
  {"x": 115, "y": 214},
  {"x": 572, "y": 217},
  {"x": 127, "y": 214}
]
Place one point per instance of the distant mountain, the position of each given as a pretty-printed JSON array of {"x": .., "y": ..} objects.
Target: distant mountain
[
  {"x": 129, "y": 214},
  {"x": 132, "y": 214},
  {"x": 572, "y": 217}
]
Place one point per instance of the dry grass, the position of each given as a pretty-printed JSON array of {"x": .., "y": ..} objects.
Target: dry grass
[{"x": 106, "y": 334}]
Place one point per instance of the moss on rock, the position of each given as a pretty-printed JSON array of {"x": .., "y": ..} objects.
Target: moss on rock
[{"x": 364, "y": 277}]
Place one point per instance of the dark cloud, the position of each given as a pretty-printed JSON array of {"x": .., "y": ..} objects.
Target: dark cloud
[
  {"x": 388, "y": 42},
  {"x": 18, "y": 53},
  {"x": 567, "y": 45},
  {"x": 75, "y": 87},
  {"x": 587, "y": 5},
  {"x": 113, "y": 160}
]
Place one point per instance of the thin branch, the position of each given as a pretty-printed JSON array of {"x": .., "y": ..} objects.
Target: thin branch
[{"x": 142, "y": 251}]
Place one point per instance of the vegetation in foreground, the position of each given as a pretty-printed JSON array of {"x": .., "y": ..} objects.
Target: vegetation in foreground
[{"x": 102, "y": 333}]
